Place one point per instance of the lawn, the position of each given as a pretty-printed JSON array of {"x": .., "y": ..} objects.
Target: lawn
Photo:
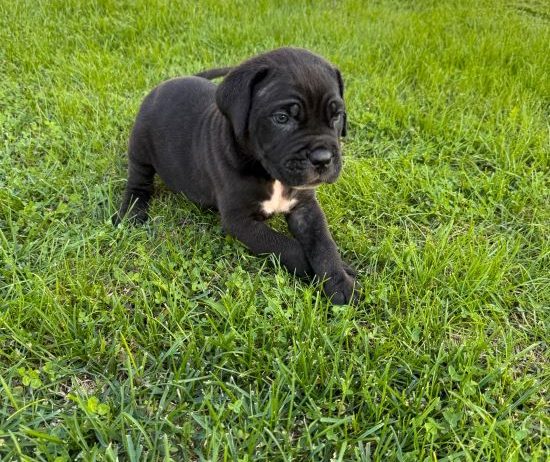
[{"x": 169, "y": 341}]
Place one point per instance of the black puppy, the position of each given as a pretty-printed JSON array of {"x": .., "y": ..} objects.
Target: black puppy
[{"x": 257, "y": 144}]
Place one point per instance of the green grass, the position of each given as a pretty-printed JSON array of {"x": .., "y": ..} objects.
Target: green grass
[{"x": 170, "y": 342}]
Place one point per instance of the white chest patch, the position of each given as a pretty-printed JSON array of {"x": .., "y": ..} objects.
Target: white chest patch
[{"x": 277, "y": 203}]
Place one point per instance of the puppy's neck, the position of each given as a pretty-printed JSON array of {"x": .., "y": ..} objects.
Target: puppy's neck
[{"x": 242, "y": 156}]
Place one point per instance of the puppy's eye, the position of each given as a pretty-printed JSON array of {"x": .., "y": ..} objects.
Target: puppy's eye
[{"x": 280, "y": 117}]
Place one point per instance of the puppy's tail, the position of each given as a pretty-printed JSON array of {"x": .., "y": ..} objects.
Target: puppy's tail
[{"x": 214, "y": 73}]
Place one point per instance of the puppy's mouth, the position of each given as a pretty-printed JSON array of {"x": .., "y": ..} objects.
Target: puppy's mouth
[
  {"x": 307, "y": 179},
  {"x": 305, "y": 187},
  {"x": 305, "y": 168},
  {"x": 301, "y": 174}
]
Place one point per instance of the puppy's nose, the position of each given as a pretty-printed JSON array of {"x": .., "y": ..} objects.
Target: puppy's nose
[{"x": 320, "y": 157}]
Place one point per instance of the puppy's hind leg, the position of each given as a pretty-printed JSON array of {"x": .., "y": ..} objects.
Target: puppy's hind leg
[{"x": 138, "y": 192}]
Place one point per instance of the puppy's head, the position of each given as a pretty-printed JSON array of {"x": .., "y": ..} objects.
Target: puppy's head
[{"x": 287, "y": 105}]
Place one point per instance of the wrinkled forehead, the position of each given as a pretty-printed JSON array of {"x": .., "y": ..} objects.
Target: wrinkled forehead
[{"x": 310, "y": 84}]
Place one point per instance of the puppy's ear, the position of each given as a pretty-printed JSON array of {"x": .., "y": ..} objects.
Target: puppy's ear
[
  {"x": 234, "y": 95},
  {"x": 341, "y": 88}
]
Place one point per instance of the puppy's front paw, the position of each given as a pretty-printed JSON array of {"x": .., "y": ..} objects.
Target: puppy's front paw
[
  {"x": 349, "y": 270},
  {"x": 342, "y": 289},
  {"x": 135, "y": 217}
]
